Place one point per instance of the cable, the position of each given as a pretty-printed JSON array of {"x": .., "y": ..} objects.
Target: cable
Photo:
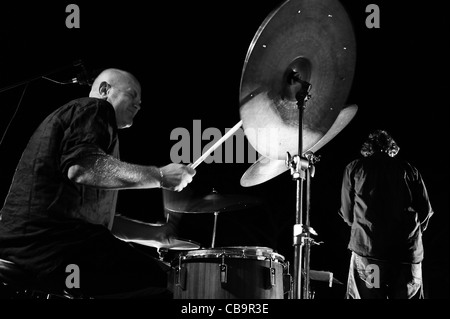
[{"x": 15, "y": 112}]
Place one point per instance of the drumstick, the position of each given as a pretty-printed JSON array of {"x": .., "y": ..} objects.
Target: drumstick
[{"x": 217, "y": 144}]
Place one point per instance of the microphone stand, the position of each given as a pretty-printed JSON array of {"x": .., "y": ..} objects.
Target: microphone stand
[
  {"x": 300, "y": 170},
  {"x": 76, "y": 63}
]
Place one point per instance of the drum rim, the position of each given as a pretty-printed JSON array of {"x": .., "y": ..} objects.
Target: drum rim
[{"x": 242, "y": 252}]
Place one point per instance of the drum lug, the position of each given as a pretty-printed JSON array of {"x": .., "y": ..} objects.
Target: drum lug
[
  {"x": 223, "y": 271},
  {"x": 272, "y": 275},
  {"x": 180, "y": 276},
  {"x": 287, "y": 282}
]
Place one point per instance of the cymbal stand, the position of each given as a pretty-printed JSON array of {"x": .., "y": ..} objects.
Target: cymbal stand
[
  {"x": 300, "y": 170},
  {"x": 216, "y": 214}
]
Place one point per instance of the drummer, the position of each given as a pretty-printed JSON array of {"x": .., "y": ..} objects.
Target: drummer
[{"x": 58, "y": 216}]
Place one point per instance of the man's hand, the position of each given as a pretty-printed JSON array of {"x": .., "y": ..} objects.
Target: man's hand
[{"x": 176, "y": 177}]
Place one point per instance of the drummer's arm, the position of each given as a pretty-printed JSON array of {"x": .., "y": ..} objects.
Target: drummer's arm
[
  {"x": 106, "y": 172},
  {"x": 130, "y": 229}
]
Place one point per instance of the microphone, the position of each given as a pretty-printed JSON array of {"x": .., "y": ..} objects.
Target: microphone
[{"x": 84, "y": 77}]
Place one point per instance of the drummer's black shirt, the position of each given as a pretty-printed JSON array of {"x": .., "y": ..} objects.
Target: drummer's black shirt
[
  {"x": 386, "y": 203},
  {"x": 45, "y": 214}
]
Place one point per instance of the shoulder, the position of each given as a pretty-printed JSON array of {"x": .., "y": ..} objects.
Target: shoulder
[
  {"x": 90, "y": 107},
  {"x": 85, "y": 103},
  {"x": 87, "y": 110},
  {"x": 410, "y": 169},
  {"x": 90, "y": 102}
]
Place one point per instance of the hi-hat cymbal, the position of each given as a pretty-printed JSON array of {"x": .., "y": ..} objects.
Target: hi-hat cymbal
[
  {"x": 212, "y": 203},
  {"x": 265, "y": 168},
  {"x": 313, "y": 40},
  {"x": 173, "y": 244}
]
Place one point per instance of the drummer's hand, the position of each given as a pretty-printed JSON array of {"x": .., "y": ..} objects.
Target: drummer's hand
[{"x": 176, "y": 177}]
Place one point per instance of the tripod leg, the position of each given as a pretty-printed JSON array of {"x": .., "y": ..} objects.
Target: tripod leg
[{"x": 213, "y": 242}]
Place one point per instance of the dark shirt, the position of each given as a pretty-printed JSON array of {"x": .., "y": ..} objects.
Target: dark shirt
[
  {"x": 44, "y": 212},
  {"x": 385, "y": 202}
]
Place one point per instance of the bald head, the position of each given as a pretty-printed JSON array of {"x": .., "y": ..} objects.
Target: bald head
[
  {"x": 122, "y": 90},
  {"x": 115, "y": 78}
]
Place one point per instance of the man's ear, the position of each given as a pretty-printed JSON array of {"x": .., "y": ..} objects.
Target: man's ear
[{"x": 103, "y": 89}]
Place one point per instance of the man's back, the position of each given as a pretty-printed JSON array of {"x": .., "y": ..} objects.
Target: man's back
[
  {"x": 44, "y": 210},
  {"x": 385, "y": 203}
]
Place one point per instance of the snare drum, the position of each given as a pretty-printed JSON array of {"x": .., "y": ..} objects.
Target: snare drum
[{"x": 238, "y": 272}]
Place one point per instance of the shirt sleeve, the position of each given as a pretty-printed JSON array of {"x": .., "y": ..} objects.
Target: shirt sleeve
[
  {"x": 346, "y": 210},
  {"x": 91, "y": 132}
]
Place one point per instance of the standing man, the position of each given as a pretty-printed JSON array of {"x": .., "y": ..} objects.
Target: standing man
[{"x": 386, "y": 204}]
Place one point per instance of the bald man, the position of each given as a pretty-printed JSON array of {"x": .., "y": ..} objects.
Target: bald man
[{"x": 60, "y": 209}]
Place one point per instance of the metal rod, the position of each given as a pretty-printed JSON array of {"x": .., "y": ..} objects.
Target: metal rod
[
  {"x": 213, "y": 242},
  {"x": 302, "y": 96},
  {"x": 307, "y": 239},
  {"x": 298, "y": 241},
  {"x": 298, "y": 215}
]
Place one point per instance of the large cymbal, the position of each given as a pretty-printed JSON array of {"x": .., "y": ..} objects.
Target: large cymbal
[
  {"x": 265, "y": 168},
  {"x": 310, "y": 38},
  {"x": 212, "y": 203}
]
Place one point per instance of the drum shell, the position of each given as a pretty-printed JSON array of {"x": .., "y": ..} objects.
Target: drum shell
[{"x": 200, "y": 277}]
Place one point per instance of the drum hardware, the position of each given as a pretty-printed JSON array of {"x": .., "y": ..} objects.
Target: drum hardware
[
  {"x": 265, "y": 169},
  {"x": 303, "y": 52},
  {"x": 180, "y": 275},
  {"x": 300, "y": 170},
  {"x": 272, "y": 274},
  {"x": 223, "y": 271},
  {"x": 211, "y": 203},
  {"x": 287, "y": 282},
  {"x": 296, "y": 78},
  {"x": 326, "y": 276},
  {"x": 321, "y": 276},
  {"x": 229, "y": 272},
  {"x": 213, "y": 241}
]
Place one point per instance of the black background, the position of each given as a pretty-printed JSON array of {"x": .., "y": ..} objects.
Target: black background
[{"x": 188, "y": 56}]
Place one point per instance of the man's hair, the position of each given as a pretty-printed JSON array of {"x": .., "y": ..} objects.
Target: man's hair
[{"x": 379, "y": 141}]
